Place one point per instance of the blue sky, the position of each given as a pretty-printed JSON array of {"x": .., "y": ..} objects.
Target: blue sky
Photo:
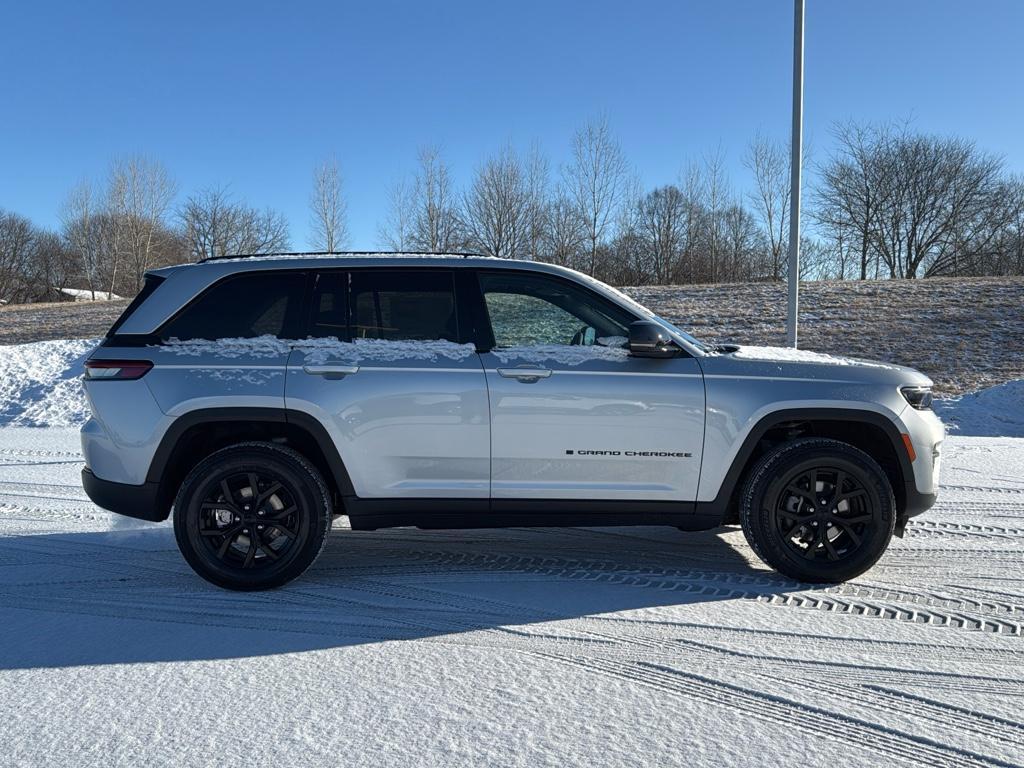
[{"x": 251, "y": 94}]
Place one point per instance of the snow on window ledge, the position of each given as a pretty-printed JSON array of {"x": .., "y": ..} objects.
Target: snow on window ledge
[
  {"x": 560, "y": 354},
  {"x": 321, "y": 350}
]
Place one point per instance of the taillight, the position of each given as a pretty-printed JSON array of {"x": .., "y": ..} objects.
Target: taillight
[{"x": 116, "y": 370}]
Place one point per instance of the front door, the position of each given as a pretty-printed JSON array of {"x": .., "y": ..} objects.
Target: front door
[
  {"x": 404, "y": 402},
  {"x": 573, "y": 414}
]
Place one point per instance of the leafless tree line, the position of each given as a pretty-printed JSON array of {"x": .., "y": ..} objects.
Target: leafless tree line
[
  {"x": 891, "y": 202},
  {"x": 886, "y": 202},
  {"x": 111, "y": 233}
]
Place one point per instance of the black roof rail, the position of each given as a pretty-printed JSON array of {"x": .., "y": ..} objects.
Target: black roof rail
[{"x": 459, "y": 254}]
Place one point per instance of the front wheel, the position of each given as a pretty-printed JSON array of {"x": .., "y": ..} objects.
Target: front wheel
[
  {"x": 252, "y": 516},
  {"x": 818, "y": 510}
]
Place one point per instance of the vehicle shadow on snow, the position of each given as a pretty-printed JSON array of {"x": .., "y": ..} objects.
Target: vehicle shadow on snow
[{"x": 126, "y": 596}]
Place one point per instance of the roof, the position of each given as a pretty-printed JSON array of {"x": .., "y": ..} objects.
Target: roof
[{"x": 344, "y": 254}]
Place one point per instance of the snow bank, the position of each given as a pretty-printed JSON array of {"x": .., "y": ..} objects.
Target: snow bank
[
  {"x": 994, "y": 412},
  {"x": 40, "y": 383}
]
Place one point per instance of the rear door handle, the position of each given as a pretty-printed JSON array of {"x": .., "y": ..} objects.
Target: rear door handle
[
  {"x": 525, "y": 375},
  {"x": 331, "y": 371}
]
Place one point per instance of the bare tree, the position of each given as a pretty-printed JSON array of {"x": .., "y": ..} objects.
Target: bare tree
[
  {"x": 139, "y": 194},
  {"x": 328, "y": 209},
  {"x": 81, "y": 221},
  {"x": 742, "y": 243},
  {"x": 436, "y": 216},
  {"x": 716, "y": 199},
  {"x": 662, "y": 222},
  {"x": 214, "y": 225},
  {"x": 497, "y": 207},
  {"x": 537, "y": 180},
  {"x": 595, "y": 179},
  {"x": 768, "y": 161},
  {"x": 397, "y": 230},
  {"x": 853, "y": 187},
  {"x": 52, "y": 267},
  {"x": 939, "y": 187},
  {"x": 565, "y": 235},
  {"x": 17, "y": 236}
]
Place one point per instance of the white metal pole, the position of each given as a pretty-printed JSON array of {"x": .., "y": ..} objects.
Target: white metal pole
[{"x": 796, "y": 142}]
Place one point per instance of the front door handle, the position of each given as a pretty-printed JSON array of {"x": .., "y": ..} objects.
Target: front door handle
[
  {"x": 525, "y": 375},
  {"x": 331, "y": 371}
]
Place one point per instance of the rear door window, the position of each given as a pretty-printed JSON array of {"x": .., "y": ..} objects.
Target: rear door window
[
  {"x": 329, "y": 313},
  {"x": 243, "y": 306},
  {"x": 396, "y": 304}
]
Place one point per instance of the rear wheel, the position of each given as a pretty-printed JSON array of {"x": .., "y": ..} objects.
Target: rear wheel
[
  {"x": 252, "y": 516},
  {"x": 818, "y": 510}
]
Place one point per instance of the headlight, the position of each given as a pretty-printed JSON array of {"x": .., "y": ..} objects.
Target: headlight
[{"x": 918, "y": 397}]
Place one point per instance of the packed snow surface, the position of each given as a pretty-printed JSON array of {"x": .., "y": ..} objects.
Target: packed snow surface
[{"x": 546, "y": 647}]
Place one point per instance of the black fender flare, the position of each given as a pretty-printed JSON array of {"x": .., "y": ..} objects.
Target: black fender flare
[
  {"x": 720, "y": 504},
  {"x": 285, "y": 417}
]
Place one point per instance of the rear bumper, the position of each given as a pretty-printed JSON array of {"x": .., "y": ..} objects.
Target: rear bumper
[{"x": 138, "y": 501}]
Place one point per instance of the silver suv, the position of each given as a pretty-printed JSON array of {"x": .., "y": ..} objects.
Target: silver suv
[{"x": 257, "y": 398}]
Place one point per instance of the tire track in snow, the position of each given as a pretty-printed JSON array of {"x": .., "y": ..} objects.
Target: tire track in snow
[
  {"x": 965, "y": 614},
  {"x": 882, "y": 739}
]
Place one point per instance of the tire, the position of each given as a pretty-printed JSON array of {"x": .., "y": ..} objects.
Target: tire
[
  {"x": 832, "y": 534},
  {"x": 242, "y": 537}
]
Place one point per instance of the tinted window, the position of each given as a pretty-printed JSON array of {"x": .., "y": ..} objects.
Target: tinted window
[
  {"x": 403, "y": 304},
  {"x": 527, "y": 310},
  {"x": 256, "y": 304},
  {"x": 329, "y": 316}
]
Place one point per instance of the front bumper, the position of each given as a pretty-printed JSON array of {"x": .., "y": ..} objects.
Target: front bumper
[
  {"x": 917, "y": 503},
  {"x": 139, "y": 501}
]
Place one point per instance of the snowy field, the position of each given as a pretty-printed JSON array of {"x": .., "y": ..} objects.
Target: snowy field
[{"x": 558, "y": 647}]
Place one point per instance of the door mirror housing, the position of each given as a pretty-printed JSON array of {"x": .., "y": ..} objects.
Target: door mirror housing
[{"x": 648, "y": 339}]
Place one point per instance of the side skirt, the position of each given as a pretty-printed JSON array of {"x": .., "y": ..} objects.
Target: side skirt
[{"x": 371, "y": 514}]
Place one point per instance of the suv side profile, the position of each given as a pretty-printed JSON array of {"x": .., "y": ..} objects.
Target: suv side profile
[{"x": 257, "y": 398}]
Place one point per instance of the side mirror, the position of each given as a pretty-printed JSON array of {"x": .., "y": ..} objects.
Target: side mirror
[{"x": 648, "y": 339}]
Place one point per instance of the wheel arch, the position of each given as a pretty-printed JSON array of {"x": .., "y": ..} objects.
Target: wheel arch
[
  {"x": 870, "y": 431},
  {"x": 196, "y": 434}
]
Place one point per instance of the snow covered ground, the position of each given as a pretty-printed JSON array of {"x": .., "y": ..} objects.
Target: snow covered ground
[
  {"x": 626, "y": 646},
  {"x": 603, "y": 647}
]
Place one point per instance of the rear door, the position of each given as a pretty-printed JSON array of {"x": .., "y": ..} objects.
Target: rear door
[
  {"x": 573, "y": 414},
  {"x": 387, "y": 371}
]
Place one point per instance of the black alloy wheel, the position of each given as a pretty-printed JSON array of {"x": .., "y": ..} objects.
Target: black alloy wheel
[
  {"x": 818, "y": 510},
  {"x": 252, "y": 516}
]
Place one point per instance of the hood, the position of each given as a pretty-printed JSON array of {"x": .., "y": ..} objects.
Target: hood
[{"x": 798, "y": 363}]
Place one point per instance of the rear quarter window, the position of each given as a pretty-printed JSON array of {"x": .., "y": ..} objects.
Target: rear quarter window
[
  {"x": 151, "y": 283},
  {"x": 242, "y": 306}
]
